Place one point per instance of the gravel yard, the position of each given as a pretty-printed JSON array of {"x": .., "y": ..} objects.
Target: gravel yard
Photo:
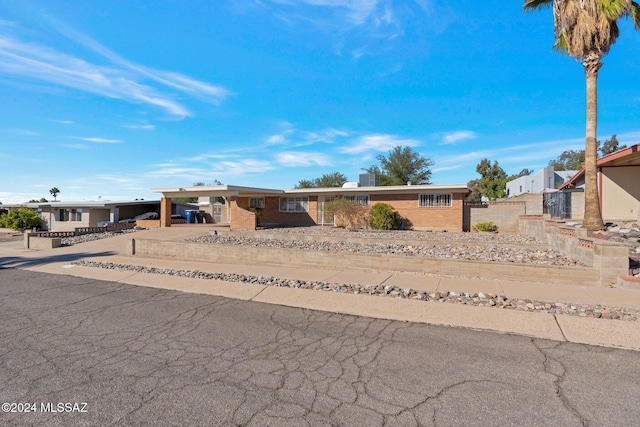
[
  {"x": 492, "y": 253},
  {"x": 408, "y": 235},
  {"x": 68, "y": 241}
]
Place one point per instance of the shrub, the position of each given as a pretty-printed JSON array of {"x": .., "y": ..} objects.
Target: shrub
[
  {"x": 486, "y": 227},
  {"x": 20, "y": 219},
  {"x": 384, "y": 217},
  {"x": 348, "y": 214}
]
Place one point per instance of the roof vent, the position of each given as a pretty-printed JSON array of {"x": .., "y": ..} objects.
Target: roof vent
[{"x": 351, "y": 184}]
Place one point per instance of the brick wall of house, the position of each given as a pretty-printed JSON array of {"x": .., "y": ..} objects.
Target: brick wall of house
[
  {"x": 271, "y": 214},
  {"x": 436, "y": 219},
  {"x": 241, "y": 218}
]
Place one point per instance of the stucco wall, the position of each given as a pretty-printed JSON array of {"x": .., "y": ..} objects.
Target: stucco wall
[{"x": 621, "y": 193}]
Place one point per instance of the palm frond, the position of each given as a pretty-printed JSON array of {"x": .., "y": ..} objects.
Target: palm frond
[
  {"x": 635, "y": 15},
  {"x": 530, "y": 5},
  {"x": 613, "y": 9},
  {"x": 561, "y": 45}
]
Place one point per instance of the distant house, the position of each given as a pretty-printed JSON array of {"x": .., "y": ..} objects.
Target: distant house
[
  {"x": 537, "y": 183},
  {"x": 429, "y": 207},
  {"x": 618, "y": 184},
  {"x": 66, "y": 216}
]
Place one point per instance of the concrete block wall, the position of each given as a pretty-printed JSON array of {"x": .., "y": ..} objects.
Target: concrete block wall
[
  {"x": 42, "y": 243},
  {"x": 318, "y": 259},
  {"x": 503, "y": 214},
  {"x": 609, "y": 259}
]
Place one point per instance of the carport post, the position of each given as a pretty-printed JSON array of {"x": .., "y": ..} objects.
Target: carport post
[{"x": 165, "y": 212}]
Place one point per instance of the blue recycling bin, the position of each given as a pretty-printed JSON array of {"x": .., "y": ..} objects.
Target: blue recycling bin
[{"x": 191, "y": 216}]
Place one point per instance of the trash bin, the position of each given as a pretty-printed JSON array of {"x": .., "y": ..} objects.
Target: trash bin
[
  {"x": 191, "y": 216},
  {"x": 200, "y": 217}
]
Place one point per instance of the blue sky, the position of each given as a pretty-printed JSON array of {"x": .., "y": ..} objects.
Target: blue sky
[{"x": 108, "y": 99}]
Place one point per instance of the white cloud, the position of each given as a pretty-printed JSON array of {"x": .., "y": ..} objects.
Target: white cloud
[
  {"x": 298, "y": 138},
  {"x": 143, "y": 127},
  {"x": 295, "y": 159},
  {"x": 380, "y": 142},
  {"x": 101, "y": 140},
  {"x": 121, "y": 79},
  {"x": 454, "y": 137},
  {"x": 243, "y": 167},
  {"x": 277, "y": 139}
]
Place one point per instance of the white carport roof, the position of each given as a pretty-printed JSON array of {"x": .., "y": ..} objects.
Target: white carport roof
[{"x": 214, "y": 190}]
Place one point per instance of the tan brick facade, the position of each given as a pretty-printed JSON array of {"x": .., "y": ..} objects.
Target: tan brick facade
[
  {"x": 406, "y": 204},
  {"x": 271, "y": 214},
  {"x": 437, "y": 219},
  {"x": 241, "y": 217}
]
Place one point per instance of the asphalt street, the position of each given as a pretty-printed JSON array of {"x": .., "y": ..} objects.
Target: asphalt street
[{"x": 116, "y": 354}]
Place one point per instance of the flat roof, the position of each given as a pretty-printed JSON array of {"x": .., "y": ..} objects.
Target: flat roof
[
  {"x": 236, "y": 190},
  {"x": 83, "y": 204},
  {"x": 208, "y": 190},
  {"x": 456, "y": 188}
]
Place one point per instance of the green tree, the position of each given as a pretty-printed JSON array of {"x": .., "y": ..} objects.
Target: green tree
[
  {"x": 493, "y": 179},
  {"x": 611, "y": 146},
  {"x": 42, "y": 200},
  {"x": 333, "y": 179},
  {"x": 568, "y": 160},
  {"x": 20, "y": 219},
  {"x": 401, "y": 166},
  {"x": 586, "y": 30},
  {"x": 474, "y": 196},
  {"x": 523, "y": 172},
  {"x": 54, "y": 192}
]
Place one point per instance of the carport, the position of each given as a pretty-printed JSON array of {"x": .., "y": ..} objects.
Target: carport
[{"x": 239, "y": 217}]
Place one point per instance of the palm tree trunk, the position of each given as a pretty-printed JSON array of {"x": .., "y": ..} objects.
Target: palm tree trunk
[{"x": 592, "y": 215}]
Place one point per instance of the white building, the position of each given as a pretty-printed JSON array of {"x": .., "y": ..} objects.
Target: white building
[{"x": 537, "y": 183}]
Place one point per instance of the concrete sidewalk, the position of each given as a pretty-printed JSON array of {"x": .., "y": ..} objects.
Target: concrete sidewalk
[{"x": 602, "y": 332}]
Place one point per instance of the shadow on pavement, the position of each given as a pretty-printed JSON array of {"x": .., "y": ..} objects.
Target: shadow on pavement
[{"x": 25, "y": 262}]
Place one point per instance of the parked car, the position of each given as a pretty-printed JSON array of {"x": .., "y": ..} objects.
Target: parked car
[{"x": 146, "y": 215}]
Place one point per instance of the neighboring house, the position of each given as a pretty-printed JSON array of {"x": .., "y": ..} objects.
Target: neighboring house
[
  {"x": 618, "y": 184},
  {"x": 427, "y": 207},
  {"x": 66, "y": 216},
  {"x": 537, "y": 183}
]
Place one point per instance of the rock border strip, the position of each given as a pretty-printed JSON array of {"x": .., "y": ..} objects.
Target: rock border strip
[{"x": 479, "y": 299}]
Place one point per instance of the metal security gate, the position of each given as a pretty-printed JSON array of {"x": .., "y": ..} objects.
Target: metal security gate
[
  {"x": 324, "y": 217},
  {"x": 557, "y": 204}
]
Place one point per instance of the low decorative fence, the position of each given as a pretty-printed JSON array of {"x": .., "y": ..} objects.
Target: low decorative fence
[{"x": 79, "y": 231}]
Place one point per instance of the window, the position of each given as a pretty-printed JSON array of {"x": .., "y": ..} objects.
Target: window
[
  {"x": 294, "y": 204},
  {"x": 435, "y": 200},
  {"x": 361, "y": 199},
  {"x": 70, "y": 215},
  {"x": 256, "y": 202}
]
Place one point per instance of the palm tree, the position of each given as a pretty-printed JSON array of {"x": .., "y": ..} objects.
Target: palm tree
[
  {"x": 54, "y": 192},
  {"x": 586, "y": 30}
]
